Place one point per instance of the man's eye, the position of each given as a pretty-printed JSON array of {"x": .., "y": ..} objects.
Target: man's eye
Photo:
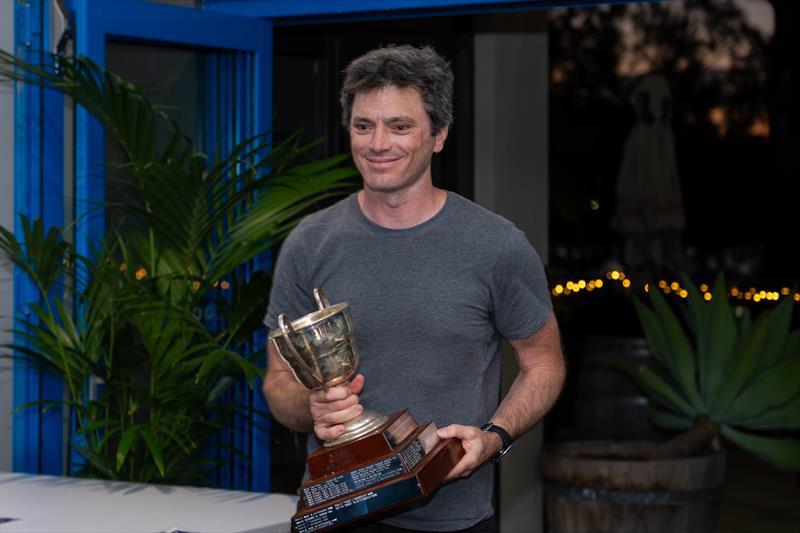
[
  {"x": 361, "y": 127},
  {"x": 402, "y": 127}
]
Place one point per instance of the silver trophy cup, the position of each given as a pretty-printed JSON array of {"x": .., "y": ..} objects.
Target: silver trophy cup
[{"x": 321, "y": 351}]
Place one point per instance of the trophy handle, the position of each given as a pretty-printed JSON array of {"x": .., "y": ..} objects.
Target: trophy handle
[
  {"x": 286, "y": 329},
  {"x": 321, "y": 299}
]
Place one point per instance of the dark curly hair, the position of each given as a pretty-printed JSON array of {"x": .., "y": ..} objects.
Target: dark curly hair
[{"x": 403, "y": 66}]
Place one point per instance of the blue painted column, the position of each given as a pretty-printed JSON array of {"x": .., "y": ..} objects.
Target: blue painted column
[
  {"x": 7, "y": 40},
  {"x": 89, "y": 138},
  {"x": 38, "y": 441},
  {"x": 262, "y": 121}
]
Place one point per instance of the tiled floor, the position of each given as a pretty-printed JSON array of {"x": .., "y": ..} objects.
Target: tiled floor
[{"x": 757, "y": 498}]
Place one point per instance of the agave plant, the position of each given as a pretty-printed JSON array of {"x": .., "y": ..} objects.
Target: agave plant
[
  {"x": 144, "y": 376},
  {"x": 718, "y": 372}
]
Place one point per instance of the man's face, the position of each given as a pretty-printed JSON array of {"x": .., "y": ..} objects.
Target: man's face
[{"x": 391, "y": 140}]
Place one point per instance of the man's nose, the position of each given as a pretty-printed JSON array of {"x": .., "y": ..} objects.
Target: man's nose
[{"x": 381, "y": 140}]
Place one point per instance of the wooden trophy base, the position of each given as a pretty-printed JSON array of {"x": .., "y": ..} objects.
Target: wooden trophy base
[{"x": 399, "y": 463}]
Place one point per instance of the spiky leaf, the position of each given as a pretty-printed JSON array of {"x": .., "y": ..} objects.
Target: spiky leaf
[
  {"x": 772, "y": 387},
  {"x": 679, "y": 356},
  {"x": 782, "y": 452},
  {"x": 722, "y": 331}
]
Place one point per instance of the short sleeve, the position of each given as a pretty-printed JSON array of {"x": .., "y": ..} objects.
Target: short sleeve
[
  {"x": 289, "y": 294},
  {"x": 520, "y": 295}
]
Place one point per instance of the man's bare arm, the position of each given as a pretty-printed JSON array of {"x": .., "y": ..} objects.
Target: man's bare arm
[
  {"x": 297, "y": 408},
  {"x": 538, "y": 384},
  {"x": 287, "y": 399},
  {"x": 532, "y": 393}
]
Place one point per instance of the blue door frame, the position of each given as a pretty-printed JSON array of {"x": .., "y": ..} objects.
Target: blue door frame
[{"x": 98, "y": 21}]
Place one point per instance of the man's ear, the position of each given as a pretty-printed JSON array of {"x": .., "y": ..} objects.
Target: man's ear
[{"x": 440, "y": 138}]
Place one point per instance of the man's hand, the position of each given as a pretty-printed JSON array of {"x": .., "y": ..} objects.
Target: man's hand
[
  {"x": 479, "y": 446},
  {"x": 330, "y": 410}
]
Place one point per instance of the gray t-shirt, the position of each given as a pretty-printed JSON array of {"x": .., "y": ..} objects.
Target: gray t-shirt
[{"x": 430, "y": 305}]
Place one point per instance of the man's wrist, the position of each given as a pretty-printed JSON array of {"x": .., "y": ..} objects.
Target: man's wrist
[
  {"x": 497, "y": 443},
  {"x": 505, "y": 439}
]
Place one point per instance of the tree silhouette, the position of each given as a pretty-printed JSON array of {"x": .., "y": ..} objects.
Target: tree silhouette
[{"x": 733, "y": 95}]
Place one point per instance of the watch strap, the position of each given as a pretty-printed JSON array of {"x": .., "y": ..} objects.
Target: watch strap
[{"x": 505, "y": 439}]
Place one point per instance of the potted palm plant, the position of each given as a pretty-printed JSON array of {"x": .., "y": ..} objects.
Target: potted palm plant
[
  {"x": 716, "y": 375},
  {"x": 147, "y": 381}
]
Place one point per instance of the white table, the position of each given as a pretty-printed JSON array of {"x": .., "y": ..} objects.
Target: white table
[{"x": 48, "y": 504}]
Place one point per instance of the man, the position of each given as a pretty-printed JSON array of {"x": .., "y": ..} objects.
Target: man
[{"x": 434, "y": 283}]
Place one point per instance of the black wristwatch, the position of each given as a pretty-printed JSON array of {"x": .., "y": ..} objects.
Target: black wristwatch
[{"x": 505, "y": 438}]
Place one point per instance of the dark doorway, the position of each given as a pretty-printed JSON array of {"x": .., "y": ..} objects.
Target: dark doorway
[{"x": 309, "y": 61}]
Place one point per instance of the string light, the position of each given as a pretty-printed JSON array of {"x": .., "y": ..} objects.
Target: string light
[
  {"x": 141, "y": 273},
  {"x": 570, "y": 287}
]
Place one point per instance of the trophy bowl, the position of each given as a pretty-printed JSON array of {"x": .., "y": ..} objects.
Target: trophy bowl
[{"x": 321, "y": 351}]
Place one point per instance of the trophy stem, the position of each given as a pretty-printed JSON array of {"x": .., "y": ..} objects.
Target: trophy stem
[{"x": 364, "y": 424}]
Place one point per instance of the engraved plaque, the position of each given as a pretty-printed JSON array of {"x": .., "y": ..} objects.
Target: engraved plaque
[
  {"x": 420, "y": 481},
  {"x": 401, "y": 460}
]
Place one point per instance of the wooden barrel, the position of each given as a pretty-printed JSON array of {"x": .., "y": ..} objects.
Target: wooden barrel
[
  {"x": 606, "y": 487},
  {"x": 609, "y": 405}
]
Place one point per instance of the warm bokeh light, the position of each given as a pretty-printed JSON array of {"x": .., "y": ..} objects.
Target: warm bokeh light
[
  {"x": 760, "y": 127},
  {"x": 718, "y": 116},
  {"x": 574, "y": 287},
  {"x": 141, "y": 273}
]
